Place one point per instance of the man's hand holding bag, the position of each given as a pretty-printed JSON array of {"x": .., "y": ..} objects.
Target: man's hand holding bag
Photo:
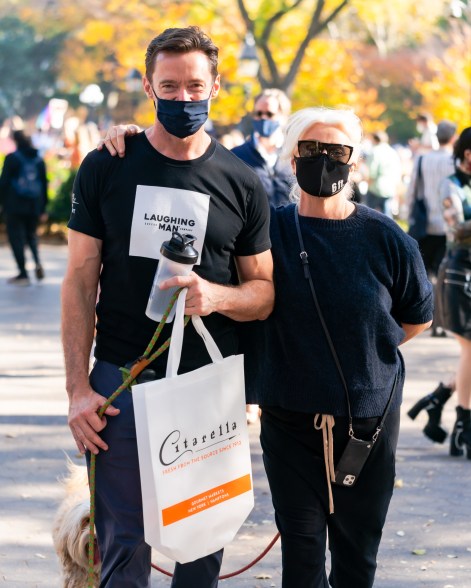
[{"x": 194, "y": 452}]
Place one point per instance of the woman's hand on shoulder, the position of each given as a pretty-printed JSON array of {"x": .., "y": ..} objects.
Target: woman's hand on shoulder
[{"x": 114, "y": 140}]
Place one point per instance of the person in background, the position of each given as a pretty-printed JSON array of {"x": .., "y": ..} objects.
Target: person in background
[
  {"x": 23, "y": 193},
  {"x": 453, "y": 295},
  {"x": 373, "y": 294},
  {"x": 384, "y": 175},
  {"x": 427, "y": 130},
  {"x": 435, "y": 166},
  {"x": 261, "y": 152},
  {"x": 231, "y": 139},
  {"x": 262, "y": 149},
  {"x": 173, "y": 165}
]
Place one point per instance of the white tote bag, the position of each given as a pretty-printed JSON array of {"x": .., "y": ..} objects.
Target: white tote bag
[{"x": 194, "y": 452}]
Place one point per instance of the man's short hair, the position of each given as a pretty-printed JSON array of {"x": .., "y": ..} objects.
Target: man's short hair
[
  {"x": 284, "y": 103},
  {"x": 445, "y": 131},
  {"x": 182, "y": 40}
]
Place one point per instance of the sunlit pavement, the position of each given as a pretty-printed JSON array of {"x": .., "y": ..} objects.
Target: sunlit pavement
[{"x": 430, "y": 511}]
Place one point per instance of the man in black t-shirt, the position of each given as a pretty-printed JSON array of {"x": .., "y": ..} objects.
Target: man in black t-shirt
[{"x": 173, "y": 176}]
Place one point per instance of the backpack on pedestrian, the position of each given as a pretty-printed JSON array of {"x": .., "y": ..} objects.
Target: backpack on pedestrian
[{"x": 28, "y": 184}]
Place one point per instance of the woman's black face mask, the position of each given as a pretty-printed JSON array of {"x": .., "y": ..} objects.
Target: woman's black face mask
[{"x": 321, "y": 175}]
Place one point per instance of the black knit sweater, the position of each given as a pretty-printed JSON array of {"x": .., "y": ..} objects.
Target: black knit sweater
[{"x": 370, "y": 278}]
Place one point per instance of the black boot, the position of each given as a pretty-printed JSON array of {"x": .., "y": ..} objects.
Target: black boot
[
  {"x": 433, "y": 403},
  {"x": 461, "y": 436}
]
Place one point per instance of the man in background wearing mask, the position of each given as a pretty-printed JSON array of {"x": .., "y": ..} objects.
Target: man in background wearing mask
[
  {"x": 261, "y": 150},
  {"x": 174, "y": 178}
]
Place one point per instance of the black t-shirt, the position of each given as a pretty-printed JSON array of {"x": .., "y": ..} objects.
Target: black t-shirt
[{"x": 132, "y": 204}]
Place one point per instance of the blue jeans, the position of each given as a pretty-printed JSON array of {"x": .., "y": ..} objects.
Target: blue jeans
[{"x": 125, "y": 557}]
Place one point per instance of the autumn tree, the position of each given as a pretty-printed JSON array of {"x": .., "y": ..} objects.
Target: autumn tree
[
  {"x": 446, "y": 90},
  {"x": 322, "y": 52},
  {"x": 269, "y": 24},
  {"x": 395, "y": 24}
]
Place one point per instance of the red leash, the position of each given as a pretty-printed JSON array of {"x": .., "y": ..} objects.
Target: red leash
[{"x": 237, "y": 572}]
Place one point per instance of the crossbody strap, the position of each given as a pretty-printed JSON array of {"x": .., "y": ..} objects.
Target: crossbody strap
[{"x": 307, "y": 274}]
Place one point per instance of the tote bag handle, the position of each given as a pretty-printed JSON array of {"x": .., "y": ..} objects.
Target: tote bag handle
[{"x": 176, "y": 343}]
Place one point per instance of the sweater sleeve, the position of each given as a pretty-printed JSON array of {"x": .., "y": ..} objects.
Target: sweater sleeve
[{"x": 412, "y": 291}]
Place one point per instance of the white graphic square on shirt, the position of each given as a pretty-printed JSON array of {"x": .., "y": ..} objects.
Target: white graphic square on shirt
[{"x": 158, "y": 211}]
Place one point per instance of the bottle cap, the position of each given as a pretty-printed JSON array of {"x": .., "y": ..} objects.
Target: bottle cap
[{"x": 180, "y": 249}]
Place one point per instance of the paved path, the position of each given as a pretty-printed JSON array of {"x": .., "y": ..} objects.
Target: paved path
[{"x": 431, "y": 507}]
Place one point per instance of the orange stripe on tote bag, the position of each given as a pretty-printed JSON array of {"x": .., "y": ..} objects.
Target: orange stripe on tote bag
[{"x": 206, "y": 500}]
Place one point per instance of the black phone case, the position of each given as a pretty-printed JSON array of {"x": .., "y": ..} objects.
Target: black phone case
[{"x": 352, "y": 461}]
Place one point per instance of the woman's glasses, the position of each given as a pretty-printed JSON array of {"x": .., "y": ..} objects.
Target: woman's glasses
[{"x": 334, "y": 151}]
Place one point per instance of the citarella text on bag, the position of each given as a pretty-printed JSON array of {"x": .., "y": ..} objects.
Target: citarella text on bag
[{"x": 175, "y": 445}]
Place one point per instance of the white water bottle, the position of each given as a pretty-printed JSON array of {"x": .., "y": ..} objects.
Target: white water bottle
[{"x": 178, "y": 258}]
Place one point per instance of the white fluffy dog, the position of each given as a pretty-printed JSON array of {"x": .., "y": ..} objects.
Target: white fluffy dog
[{"x": 70, "y": 531}]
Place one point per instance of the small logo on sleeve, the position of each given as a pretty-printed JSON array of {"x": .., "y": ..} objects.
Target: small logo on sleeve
[{"x": 74, "y": 203}]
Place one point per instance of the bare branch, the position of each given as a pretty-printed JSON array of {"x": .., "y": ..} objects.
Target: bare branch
[
  {"x": 315, "y": 27},
  {"x": 263, "y": 40},
  {"x": 249, "y": 23}
]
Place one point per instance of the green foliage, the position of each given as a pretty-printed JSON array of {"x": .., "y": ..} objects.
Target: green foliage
[
  {"x": 27, "y": 67},
  {"x": 60, "y": 204}
]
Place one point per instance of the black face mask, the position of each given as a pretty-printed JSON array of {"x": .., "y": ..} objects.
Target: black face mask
[
  {"x": 182, "y": 118},
  {"x": 321, "y": 176}
]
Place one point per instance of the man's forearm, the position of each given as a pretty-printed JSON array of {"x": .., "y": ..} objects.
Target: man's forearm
[
  {"x": 78, "y": 324},
  {"x": 250, "y": 301}
]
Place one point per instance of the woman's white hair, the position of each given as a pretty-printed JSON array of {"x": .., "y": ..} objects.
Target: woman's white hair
[{"x": 345, "y": 120}]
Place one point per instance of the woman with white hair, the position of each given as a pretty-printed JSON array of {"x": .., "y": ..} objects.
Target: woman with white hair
[
  {"x": 350, "y": 288},
  {"x": 325, "y": 366}
]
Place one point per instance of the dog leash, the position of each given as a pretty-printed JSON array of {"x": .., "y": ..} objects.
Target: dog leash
[
  {"x": 237, "y": 572},
  {"x": 129, "y": 377}
]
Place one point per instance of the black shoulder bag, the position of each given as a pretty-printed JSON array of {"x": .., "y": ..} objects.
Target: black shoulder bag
[
  {"x": 418, "y": 211},
  {"x": 357, "y": 451}
]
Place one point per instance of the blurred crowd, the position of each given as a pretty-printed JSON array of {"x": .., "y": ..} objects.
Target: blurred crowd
[
  {"x": 381, "y": 179},
  {"x": 68, "y": 137}
]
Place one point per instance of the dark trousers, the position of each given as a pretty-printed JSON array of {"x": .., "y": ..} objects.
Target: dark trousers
[
  {"x": 21, "y": 229},
  {"x": 294, "y": 462},
  {"x": 126, "y": 558},
  {"x": 433, "y": 249}
]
